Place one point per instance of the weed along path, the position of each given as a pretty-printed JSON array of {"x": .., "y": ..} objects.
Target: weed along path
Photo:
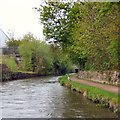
[{"x": 109, "y": 88}]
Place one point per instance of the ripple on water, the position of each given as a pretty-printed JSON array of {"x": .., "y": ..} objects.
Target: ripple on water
[{"x": 38, "y": 98}]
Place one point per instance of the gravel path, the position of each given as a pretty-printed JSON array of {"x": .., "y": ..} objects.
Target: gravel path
[{"x": 109, "y": 88}]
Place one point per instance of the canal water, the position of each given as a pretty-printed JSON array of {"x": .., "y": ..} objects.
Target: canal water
[{"x": 44, "y": 98}]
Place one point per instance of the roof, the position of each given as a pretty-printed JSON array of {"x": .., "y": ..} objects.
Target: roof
[{"x": 3, "y": 38}]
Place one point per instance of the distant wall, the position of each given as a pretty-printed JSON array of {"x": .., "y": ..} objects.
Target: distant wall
[{"x": 108, "y": 77}]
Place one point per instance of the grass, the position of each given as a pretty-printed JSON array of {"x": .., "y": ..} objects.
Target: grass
[
  {"x": 0, "y": 59},
  {"x": 10, "y": 62},
  {"x": 92, "y": 92}
]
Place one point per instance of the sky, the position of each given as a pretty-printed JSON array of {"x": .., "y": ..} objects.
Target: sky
[{"x": 18, "y": 17}]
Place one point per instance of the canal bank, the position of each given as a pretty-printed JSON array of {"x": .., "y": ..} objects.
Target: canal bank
[
  {"x": 8, "y": 75},
  {"x": 99, "y": 96},
  {"x": 40, "y": 97}
]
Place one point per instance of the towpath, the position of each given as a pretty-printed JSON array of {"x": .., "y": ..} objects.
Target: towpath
[{"x": 109, "y": 88}]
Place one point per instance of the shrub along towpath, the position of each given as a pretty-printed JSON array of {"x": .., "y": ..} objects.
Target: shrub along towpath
[{"x": 109, "y": 88}]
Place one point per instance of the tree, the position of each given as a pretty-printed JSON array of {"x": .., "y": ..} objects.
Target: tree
[
  {"x": 93, "y": 35},
  {"x": 88, "y": 32},
  {"x": 62, "y": 63},
  {"x": 26, "y": 54},
  {"x": 13, "y": 43},
  {"x": 36, "y": 55},
  {"x": 55, "y": 20},
  {"x": 43, "y": 58},
  {"x": 12, "y": 46}
]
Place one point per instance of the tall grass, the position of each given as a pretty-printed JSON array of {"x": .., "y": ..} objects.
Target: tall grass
[{"x": 10, "y": 62}]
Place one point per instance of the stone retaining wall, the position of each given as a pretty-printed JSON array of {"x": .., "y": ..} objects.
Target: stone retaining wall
[
  {"x": 108, "y": 77},
  {"x": 17, "y": 75},
  {"x": 6, "y": 74}
]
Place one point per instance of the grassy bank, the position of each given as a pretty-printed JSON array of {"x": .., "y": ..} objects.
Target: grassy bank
[
  {"x": 100, "y": 97},
  {"x": 9, "y": 61}
]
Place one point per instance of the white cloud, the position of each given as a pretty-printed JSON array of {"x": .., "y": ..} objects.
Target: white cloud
[{"x": 18, "y": 16}]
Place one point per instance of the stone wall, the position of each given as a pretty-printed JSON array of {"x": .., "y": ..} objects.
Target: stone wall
[
  {"x": 16, "y": 75},
  {"x": 108, "y": 77},
  {"x": 6, "y": 74}
]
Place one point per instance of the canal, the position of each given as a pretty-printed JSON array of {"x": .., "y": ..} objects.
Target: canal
[{"x": 44, "y": 98}]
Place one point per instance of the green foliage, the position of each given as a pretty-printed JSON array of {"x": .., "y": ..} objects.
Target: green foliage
[
  {"x": 88, "y": 32},
  {"x": 92, "y": 90},
  {"x": 56, "y": 24},
  {"x": 13, "y": 43},
  {"x": 10, "y": 62},
  {"x": 26, "y": 53},
  {"x": 39, "y": 57},
  {"x": 42, "y": 57},
  {"x": 65, "y": 64},
  {"x": 36, "y": 55},
  {"x": 12, "y": 46},
  {"x": 61, "y": 61}
]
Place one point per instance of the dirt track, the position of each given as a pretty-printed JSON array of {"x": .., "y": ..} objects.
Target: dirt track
[{"x": 109, "y": 88}]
